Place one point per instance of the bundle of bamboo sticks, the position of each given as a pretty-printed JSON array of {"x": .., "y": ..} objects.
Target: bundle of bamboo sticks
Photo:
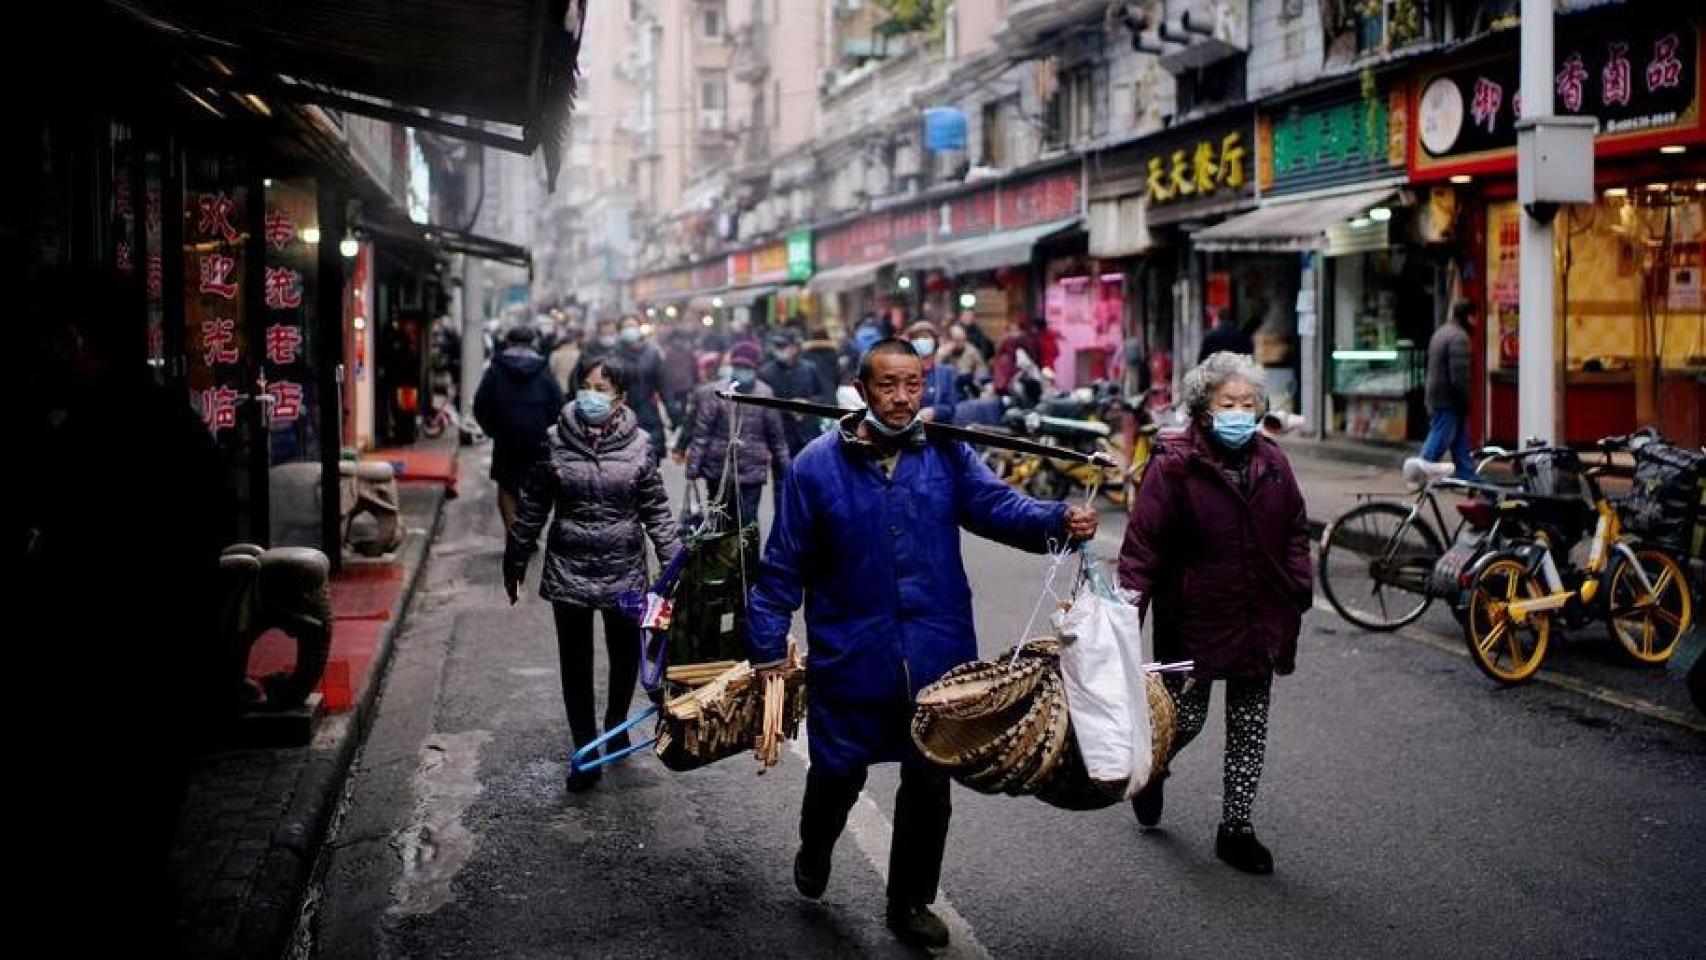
[{"x": 725, "y": 706}]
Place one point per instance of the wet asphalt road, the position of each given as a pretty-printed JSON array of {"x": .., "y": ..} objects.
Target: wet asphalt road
[{"x": 1413, "y": 810}]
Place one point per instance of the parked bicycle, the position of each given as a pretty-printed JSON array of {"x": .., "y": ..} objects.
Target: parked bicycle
[
  {"x": 1519, "y": 590},
  {"x": 1383, "y": 562}
]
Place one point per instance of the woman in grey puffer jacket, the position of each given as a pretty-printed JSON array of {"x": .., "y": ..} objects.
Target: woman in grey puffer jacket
[{"x": 598, "y": 475}]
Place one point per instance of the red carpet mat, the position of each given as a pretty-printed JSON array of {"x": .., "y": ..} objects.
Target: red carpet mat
[
  {"x": 363, "y": 598},
  {"x": 420, "y": 464}
]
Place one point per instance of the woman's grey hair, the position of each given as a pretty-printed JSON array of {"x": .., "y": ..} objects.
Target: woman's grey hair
[{"x": 1219, "y": 369}]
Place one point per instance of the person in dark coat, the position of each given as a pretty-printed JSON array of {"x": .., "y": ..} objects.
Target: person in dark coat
[
  {"x": 679, "y": 373},
  {"x": 1218, "y": 548},
  {"x": 763, "y": 446},
  {"x": 792, "y": 379},
  {"x": 1447, "y": 400},
  {"x": 516, "y": 403},
  {"x": 1225, "y": 337},
  {"x": 941, "y": 382},
  {"x": 644, "y": 365},
  {"x": 596, "y": 482},
  {"x": 867, "y": 535}
]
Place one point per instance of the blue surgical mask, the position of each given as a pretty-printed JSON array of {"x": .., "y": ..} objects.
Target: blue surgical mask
[
  {"x": 1234, "y": 428},
  {"x": 882, "y": 429},
  {"x": 743, "y": 376},
  {"x": 630, "y": 335},
  {"x": 925, "y": 346},
  {"x": 725, "y": 372},
  {"x": 594, "y": 407}
]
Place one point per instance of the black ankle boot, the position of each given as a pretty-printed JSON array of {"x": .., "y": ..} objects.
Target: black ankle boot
[
  {"x": 811, "y": 873},
  {"x": 1147, "y": 804},
  {"x": 1236, "y": 844},
  {"x": 917, "y": 925}
]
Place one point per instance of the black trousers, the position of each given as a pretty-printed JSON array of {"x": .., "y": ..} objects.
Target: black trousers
[
  {"x": 574, "y": 651},
  {"x": 921, "y": 812}
]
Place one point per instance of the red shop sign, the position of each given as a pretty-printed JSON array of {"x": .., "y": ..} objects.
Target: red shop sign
[
  {"x": 1043, "y": 200},
  {"x": 967, "y": 216}
]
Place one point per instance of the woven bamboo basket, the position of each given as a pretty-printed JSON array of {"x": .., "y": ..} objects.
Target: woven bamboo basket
[{"x": 1004, "y": 727}]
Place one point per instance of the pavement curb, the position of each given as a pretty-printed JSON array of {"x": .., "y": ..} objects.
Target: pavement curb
[{"x": 270, "y": 917}]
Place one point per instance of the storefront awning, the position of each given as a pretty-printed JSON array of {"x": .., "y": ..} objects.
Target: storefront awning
[
  {"x": 424, "y": 64},
  {"x": 847, "y": 278},
  {"x": 1004, "y": 249},
  {"x": 747, "y": 296},
  {"x": 1288, "y": 226}
]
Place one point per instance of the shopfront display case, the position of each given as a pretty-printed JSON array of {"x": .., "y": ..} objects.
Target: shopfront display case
[{"x": 1375, "y": 391}]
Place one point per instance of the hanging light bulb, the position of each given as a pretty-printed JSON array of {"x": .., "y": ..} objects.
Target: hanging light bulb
[{"x": 349, "y": 246}]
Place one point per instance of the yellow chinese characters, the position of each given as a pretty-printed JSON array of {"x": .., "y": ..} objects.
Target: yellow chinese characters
[{"x": 1199, "y": 171}]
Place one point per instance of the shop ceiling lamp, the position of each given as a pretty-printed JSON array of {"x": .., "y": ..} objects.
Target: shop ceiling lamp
[
  {"x": 348, "y": 246},
  {"x": 717, "y": 302},
  {"x": 1673, "y": 148},
  {"x": 968, "y": 300},
  {"x": 1616, "y": 191},
  {"x": 310, "y": 234},
  {"x": 1365, "y": 354},
  {"x": 1360, "y": 222},
  {"x": 706, "y": 320},
  {"x": 1461, "y": 178},
  {"x": 651, "y": 311},
  {"x": 360, "y": 322},
  {"x": 670, "y": 311},
  {"x": 905, "y": 282},
  {"x": 1380, "y": 214},
  {"x": 1657, "y": 187}
]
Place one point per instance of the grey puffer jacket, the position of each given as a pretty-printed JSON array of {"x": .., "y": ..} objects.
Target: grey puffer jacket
[
  {"x": 603, "y": 495},
  {"x": 763, "y": 440}
]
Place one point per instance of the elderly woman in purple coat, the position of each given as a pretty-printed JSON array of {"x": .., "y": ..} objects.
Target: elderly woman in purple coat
[{"x": 1218, "y": 549}]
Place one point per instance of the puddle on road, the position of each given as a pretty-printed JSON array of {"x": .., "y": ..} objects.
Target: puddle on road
[{"x": 435, "y": 845}]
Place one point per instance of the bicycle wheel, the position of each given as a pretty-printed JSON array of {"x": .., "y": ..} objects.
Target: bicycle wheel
[
  {"x": 1507, "y": 651},
  {"x": 1648, "y": 625},
  {"x": 1374, "y": 565}
]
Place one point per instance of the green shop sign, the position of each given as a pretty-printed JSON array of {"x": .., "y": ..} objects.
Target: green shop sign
[
  {"x": 1340, "y": 139},
  {"x": 799, "y": 255}
]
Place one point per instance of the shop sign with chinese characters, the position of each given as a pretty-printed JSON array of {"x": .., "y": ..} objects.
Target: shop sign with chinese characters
[
  {"x": 1205, "y": 169},
  {"x": 214, "y": 326},
  {"x": 1347, "y": 136},
  {"x": 1638, "y": 76},
  {"x": 800, "y": 256},
  {"x": 287, "y": 382}
]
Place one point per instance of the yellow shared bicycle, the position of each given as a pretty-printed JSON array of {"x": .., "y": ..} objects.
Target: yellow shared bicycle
[{"x": 1519, "y": 592}]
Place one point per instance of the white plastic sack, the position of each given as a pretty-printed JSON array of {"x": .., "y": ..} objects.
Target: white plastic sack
[{"x": 1106, "y": 695}]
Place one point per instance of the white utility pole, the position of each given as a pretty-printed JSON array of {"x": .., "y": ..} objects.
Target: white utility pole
[
  {"x": 473, "y": 357},
  {"x": 1537, "y": 387}
]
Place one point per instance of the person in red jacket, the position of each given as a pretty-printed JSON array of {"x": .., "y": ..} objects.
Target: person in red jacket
[{"x": 1218, "y": 550}]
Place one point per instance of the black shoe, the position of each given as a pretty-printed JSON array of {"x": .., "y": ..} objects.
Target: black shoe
[
  {"x": 1147, "y": 803},
  {"x": 1237, "y": 845},
  {"x": 918, "y": 927},
  {"x": 579, "y": 781},
  {"x": 811, "y": 874}
]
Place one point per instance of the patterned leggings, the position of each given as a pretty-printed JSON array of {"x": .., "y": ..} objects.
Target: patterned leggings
[{"x": 1246, "y": 735}]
